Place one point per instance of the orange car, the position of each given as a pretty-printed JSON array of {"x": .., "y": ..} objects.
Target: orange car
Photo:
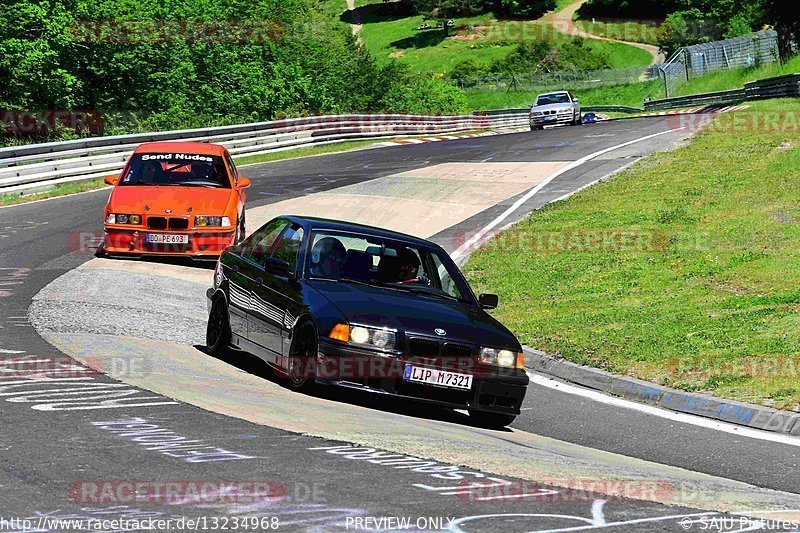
[{"x": 175, "y": 198}]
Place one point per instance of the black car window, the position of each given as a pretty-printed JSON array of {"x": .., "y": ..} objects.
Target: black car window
[
  {"x": 289, "y": 246},
  {"x": 258, "y": 246},
  {"x": 386, "y": 263}
]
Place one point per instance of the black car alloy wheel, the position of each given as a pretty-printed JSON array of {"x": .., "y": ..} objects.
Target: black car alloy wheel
[{"x": 302, "y": 358}]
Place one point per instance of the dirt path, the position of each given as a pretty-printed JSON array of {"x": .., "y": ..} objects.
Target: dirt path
[
  {"x": 563, "y": 21},
  {"x": 351, "y": 6}
]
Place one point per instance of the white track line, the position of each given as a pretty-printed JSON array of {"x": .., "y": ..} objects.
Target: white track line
[
  {"x": 684, "y": 418},
  {"x": 575, "y": 164}
]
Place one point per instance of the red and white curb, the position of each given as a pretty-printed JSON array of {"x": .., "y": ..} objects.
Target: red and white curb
[{"x": 696, "y": 111}]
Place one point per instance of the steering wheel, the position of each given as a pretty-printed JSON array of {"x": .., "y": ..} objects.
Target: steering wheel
[{"x": 420, "y": 279}]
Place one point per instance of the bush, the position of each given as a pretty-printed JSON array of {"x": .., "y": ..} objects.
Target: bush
[
  {"x": 423, "y": 96},
  {"x": 541, "y": 56}
]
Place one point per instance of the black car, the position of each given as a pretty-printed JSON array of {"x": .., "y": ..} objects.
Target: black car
[{"x": 332, "y": 302}]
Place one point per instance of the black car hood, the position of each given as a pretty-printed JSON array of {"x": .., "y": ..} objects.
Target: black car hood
[{"x": 413, "y": 313}]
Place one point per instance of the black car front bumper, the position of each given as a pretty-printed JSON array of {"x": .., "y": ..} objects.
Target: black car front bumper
[{"x": 493, "y": 390}]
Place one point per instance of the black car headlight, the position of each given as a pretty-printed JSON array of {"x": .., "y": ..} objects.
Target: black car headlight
[
  {"x": 364, "y": 336},
  {"x": 502, "y": 358}
]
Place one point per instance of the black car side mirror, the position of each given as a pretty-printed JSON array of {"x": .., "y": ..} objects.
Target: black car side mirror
[
  {"x": 279, "y": 267},
  {"x": 488, "y": 301}
]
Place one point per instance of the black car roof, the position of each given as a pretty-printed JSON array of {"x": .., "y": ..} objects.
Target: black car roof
[{"x": 315, "y": 223}]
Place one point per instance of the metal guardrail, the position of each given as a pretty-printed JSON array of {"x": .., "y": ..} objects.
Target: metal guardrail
[
  {"x": 779, "y": 87},
  {"x": 36, "y": 166},
  {"x": 721, "y": 97},
  {"x": 612, "y": 109}
]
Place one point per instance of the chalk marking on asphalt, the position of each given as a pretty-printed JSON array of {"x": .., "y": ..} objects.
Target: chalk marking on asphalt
[
  {"x": 530, "y": 194},
  {"x": 684, "y": 418},
  {"x": 598, "y": 515}
]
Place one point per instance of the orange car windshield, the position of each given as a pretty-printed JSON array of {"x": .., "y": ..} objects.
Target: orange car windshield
[{"x": 176, "y": 169}]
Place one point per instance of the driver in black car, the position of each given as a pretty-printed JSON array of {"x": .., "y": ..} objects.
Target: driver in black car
[
  {"x": 409, "y": 268},
  {"x": 327, "y": 257}
]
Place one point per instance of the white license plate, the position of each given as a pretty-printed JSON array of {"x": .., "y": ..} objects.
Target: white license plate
[
  {"x": 441, "y": 378},
  {"x": 166, "y": 238}
]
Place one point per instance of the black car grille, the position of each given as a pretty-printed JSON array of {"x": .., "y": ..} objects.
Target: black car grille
[
  {"x": 179, "y": 223},
  {"x": 172, "y": 223},
  {"x": 456, "y": 350},
  {"x": 423, "y": 348},
  {"x": 157, "y": 222}
]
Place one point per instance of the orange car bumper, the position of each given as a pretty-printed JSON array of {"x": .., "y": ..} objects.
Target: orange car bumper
[{"x": 134, "y": 242}]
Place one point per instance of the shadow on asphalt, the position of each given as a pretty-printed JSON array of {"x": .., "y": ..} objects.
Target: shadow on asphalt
[{"x": 377, "y": 402}]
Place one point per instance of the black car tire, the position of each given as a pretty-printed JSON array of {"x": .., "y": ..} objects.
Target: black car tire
[
  {"x": 491, "y": 420},
  {"x": 302, "y": 359},
  {"x": 536, "y": 128},
  {"x": 218, "y": 331}
]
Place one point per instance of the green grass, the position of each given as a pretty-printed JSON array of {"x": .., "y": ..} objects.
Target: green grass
[
  {"x": 632, "y": 31},
  {"x": 711, "y": 303},
  {"x": 480, "y": 38}
]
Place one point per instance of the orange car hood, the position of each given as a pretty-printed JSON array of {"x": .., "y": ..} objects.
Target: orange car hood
[{"x": 133, "y": 199}]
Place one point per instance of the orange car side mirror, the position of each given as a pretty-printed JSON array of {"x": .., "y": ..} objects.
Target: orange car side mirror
[
  {"x": 111, "y": 180},
  {"x": 243, "y": 183}
]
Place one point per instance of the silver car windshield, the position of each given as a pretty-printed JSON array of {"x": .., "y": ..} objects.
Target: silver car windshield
[{"x": 547, "y": 99}]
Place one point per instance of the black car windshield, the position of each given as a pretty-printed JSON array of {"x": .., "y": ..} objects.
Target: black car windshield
[
  {"x": 390, "y": 264},
  {"x": 547, "y": 99},
  {"x": 176, "y": 169}
]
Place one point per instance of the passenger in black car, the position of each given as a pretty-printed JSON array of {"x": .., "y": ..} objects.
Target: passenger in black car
[{"x": 327, "y": 257}]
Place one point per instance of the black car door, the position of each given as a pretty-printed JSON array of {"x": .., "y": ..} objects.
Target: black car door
[
  {"x": 239, "y": 286},
  {"x": 273, "y": 294},
  {"x": 248, "y": 269}
]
